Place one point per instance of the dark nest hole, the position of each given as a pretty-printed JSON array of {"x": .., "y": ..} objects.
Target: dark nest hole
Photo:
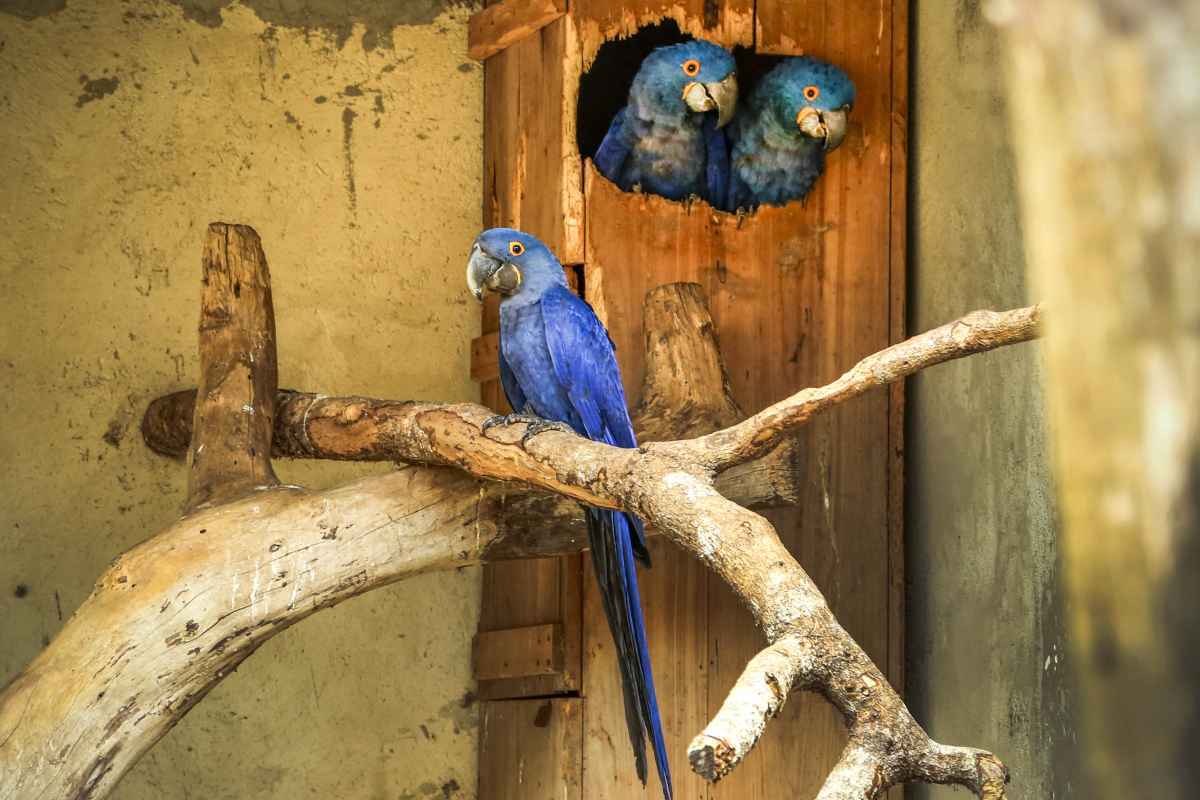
[{"x": 604, "y": 88}]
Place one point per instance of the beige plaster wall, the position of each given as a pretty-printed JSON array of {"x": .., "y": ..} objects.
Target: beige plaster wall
[{"x": 348, "y": 134}]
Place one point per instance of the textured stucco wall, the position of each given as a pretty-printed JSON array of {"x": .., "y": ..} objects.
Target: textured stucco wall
[
  {"x": 986, "y": 649},
  {"x": 349, "y": 135}
]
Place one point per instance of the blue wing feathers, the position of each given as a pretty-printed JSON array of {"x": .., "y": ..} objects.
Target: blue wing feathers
[
  {"x": 511, "y": 387},
  {"x": 638, "y": 627},
  {"x": 585, "y": 367},
  {"x": 717, "y": 163},
  {"x": 613, "y": 150}
]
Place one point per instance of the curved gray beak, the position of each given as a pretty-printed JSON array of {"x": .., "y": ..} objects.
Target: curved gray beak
[
  {"x": 481, "y": 271},
  {"x": 720, "y": 97},
  {"x": 827, "y": 125},
  {"x": 485, "y": 273}
]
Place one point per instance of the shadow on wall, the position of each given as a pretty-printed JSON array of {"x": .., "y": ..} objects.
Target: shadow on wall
[{"x": 336, "y": 18}]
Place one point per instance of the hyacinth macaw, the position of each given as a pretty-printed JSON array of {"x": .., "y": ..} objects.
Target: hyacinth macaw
[
  {"x": 795, "y": 115},
  {"x": 558, "y": 368},
  {"x": 668, "y": 140}
]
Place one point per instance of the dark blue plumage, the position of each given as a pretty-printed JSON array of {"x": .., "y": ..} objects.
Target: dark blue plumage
[
  {"x": 795, "y": 115},
  {"x": 557, "y": 363},
  {"x": 668, "y": 139}
]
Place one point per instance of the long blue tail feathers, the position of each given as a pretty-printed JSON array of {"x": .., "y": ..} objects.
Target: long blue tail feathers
[{"x": 614, "y": 537}]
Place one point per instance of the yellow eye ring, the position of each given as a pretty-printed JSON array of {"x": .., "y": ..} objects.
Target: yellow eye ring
[
  {"x": 811, "y": 93},
  {"x": 691, "y": 68},
  {"x": 515, "y": 248}
]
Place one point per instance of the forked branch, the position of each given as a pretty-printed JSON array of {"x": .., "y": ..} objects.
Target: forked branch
[{"x": 173, "y": 616}]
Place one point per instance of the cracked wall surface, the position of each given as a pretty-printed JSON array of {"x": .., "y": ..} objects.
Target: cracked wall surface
[
  {"x": 349, "y": 135},
  {"x": 986, "y": 649}
]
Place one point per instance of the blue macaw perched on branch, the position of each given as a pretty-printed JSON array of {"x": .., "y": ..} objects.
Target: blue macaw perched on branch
[
  {"x": 557, "y": 367},
  {"x": 668, "y": 138},
  {"x": 796, "y": 114}
]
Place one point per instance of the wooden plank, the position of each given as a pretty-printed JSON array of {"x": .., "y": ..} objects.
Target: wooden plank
[
  {"x": 531, "y": 160},
  {"x": 675, "y": 601},
  {"x": 531, "y": 593},
  {"x": 899, "y": 329},
  {"x": 531, "y": 749},
  {"x": 787, "y": 27},
  {"x": 728, "y": 23},
  {"x": 519, "y": 652},
  {"x": 485, "y": 354},
  {"x": 503, "y": 24}
]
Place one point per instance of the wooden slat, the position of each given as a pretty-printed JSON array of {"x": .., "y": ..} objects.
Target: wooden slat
[
  {"x": 788, "y": 27},
  {"x": 503, "y": 24},
  {"x": 899, "y": 329},
  {"x": 519, "y": 652},
  {"x": 675, "y": 602},
  {"x": 485, "y": 354},
  {"x": 531, "y": 159},
  {"x": 729, "y": 23},
  {"x": 530, "y": 593},
  {"x": 531, "y": 749}
]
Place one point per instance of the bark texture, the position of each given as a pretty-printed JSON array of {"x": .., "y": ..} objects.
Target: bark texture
[
  {"x": 230, "y": 451},
  {"x": 173, "y": 616},
  {"x": 1111, "y": 200}
]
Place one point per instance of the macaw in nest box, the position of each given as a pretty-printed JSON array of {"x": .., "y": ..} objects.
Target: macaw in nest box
[
  {"x": 668, "y": 139},
  {"x": 559, "y": 370},
  {"x": 796, "y": 114}
]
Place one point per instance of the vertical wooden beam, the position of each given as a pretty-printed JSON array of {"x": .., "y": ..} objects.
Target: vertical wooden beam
[
  {"x": 503, "y": 24},
  {"x": 531, "y": 749},
  {"x": 230, "y": 453},
  {"x": 531, "y": 159}
]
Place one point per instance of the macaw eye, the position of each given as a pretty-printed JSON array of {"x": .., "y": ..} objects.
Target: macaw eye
[
  {"x": 515, "y": 248},
  {"x": 811, "y": 93},
  {"x": 691, "y": 67}
]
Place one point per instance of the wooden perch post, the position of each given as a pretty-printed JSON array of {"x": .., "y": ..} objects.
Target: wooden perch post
[
  {"x": 230, "y": 452},
  {"x": 685, "y": 389},
  {"x": 173, "y": 616}
]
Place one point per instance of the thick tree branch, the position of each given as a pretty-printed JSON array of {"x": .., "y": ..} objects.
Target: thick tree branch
[
  {"x": 808, "y": 649},
  {"x": 172, "y": 617},
  {"x": 230, "y": 448},
  {"x": 975, "y": 333}
]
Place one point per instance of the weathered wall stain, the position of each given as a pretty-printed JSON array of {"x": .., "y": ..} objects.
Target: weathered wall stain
[
  {"x": 95, "y": 89},
  {"x": 336, "y": 18},
  {"x": 348, "y": 116},
  {"x": 31, "y": 9}
]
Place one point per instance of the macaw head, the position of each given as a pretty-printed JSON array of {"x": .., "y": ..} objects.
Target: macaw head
[
  {"x": 510, "y": 262},
  {"x": 698, "y": 76},
  {"x": 808, "y": 98}
]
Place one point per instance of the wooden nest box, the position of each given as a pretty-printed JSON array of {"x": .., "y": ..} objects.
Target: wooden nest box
[{"x": 797, "y": 295}]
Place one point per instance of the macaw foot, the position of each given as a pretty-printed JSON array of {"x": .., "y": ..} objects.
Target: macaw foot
[{"x": 533, "y": 425}]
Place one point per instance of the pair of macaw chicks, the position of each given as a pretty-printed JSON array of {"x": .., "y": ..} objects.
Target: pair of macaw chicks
[
  {"x": 557, "y": 363},
  {"x": 671, "y": 138}
]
